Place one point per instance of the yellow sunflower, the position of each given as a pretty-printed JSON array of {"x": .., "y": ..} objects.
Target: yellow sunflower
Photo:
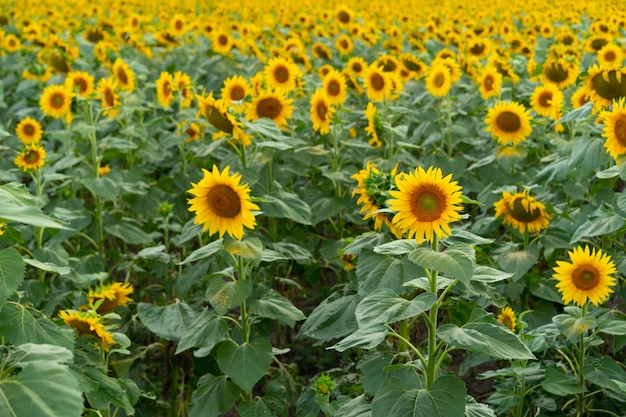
[
  {"x": 281, "y": 74},
  {"x": 356, "y": 65},
  {"x": 374, "y": 126},
  {"x": 547, "y": 100},
  {"x": 221, "y": 204},
  {"x": 561, "y": 72},
  {"x": 426, "y": 202},
  {"x": 217, "y": 114},
  {"x": 124, "y": 75},
  {"x": 344, "y": 16},
  {"x": 12, "y": 43},
  {"x": 236, "y": 89},
  {"x": 165, "y": 89},
  {"x": 610, "y": 54},
  {"x": 109, "y": 97},
  {"x": 587, "y": 277},
  {"x": 178, "y": 25},
  {"x": 605, "y": 84},
  {"x": 32, "y": 157},
  {"x": 56, "y": 101},
  {"x": 334, "y": 85},
  {"x": 222, "y": 43},
  {"x": 321, "y": 111},
  {"x": 579, "y": 98},
  {"x": 29, "y": 131},
  {"x": 192, "y": 130},
  {"x": 377, "y": 83},
  {"x": 507, "y": 317},
  {"x": 88, "y": 323},
  {"x": 81, "y": 82},
  {"x": 438, "y": 80},
  {"x": 508, "y": 122},
  {"x": 615, "y": 129},
  {"x": 344, "y": 44},
  {"x": 272, "y": 105},
  {"x": 112, "y": 295},
  {"x": 413, "y": 65},
  {"x": 490, "y": 83},
  {"x": 104, "y": 170},
  {"x": 522, "y": 212},
  {"x": 182, "y": 84}
]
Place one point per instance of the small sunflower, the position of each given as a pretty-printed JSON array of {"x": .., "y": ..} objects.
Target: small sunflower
[
  {"x": 272, "y": 105},
  {"x": 178, "y": 25},
  {"x": 507, "y": 317},
  {"x": 182, "y": 84},
  {"x": 88, "y": 323},
  {"x": 334, "y": 85},
  {"x": 109, "y": 97},
  {"x": 438, "y": 80},
  {"x": 356, "y": 65},
  {"x": 81, "y": 82},
  {"x": 413, "y": 65},
  {"x": 610, "y": 54},
  {"x": 222, "y": 43},
  {"x": 56, "y": 101},
  {"x": 221, "y": 204},
  {"x": 281, "y": 74},
  {"x": 124, "y": 75},
  {"x": 344, "y": 44},
  {"x": 374, "y": 126},
  {"x": 508, "y": 122},
  {"x": 112, "y": 295},
  {"x": 579, "y": 98},
  {"x": 32, "y": 157},
  {"x": 490, "y": 83},
  {"x": 29, "y": 131},
  {"x": 522, "y": 212},
  {"x": 192, "y": 130},
  {"x": 426, "y": 202},
  {"x": 217, "y": 114},
  {"x": 615, "y": 129},
  {"x": 547, "y": 100},
  {"x": 587, "y": 277},
  {"x": 236, "y": 89},
  {"x": 321, "y": 111},
  {"x": 377, "y": 83},
  {"x": 165, "y": 89}
]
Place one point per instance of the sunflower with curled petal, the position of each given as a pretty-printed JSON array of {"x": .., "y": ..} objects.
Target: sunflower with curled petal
[
  {"x": 523, "y": 212},
  {"x": 374, "y": 126},
  {"x": 586, "y": 277},
  {"x": 605, "y": 84},
  {"x": 508, "y": 122},
  {"x": 425, "y": 202},
  {"x": 88, "y": 323},
  {"x": 547, "y": 100},
  {"x": 507, "y": 317},
  {"x": 372, "y": 188},
  {"x": 217, "y": 114},
  {"x": 321, "y": 111},
  {"x": 615, "y": 129},
  {"x": 221, "y": 204},
  {"x": 112, "y": 295}
]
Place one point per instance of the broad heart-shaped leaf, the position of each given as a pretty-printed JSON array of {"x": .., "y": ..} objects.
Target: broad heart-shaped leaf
[
  {"x": 378, "y": 271},
  {"x": 245, "y": 364},
  {"x": 458, "y": 261},
  {"x": 384, "y": 306},
  {"x": 333, "y": 318},
  {"x": 396, "y": 247},
  {"x": 483, "y": 334},
  {"x": 204, "y": 251},
  {"x": 250, "y": 248},
  {"x": 44, "y": 387},
  {"x": 20, "y": 324},
  {"x": 608, "y": 374},
  {"x": 367, "y": 337},
  {"x": 561, "y": 384},
  {"x": 213, "y": 396},
  {"x": 445, "y": 398},
  {"x": 518, "y": 262},
  {"x": 286, "y": 205},
  {"x": 205, "y": 332},
  {"x": 256, "y": 408},
  {"x": 106, "y": 390},
  {"x": 169, "y": 322},
  {"x": 128, "y": 233},
  {"x": 224, "y": 295},
  {"x": 11, "y": 273},
  {"x": 356, "y": 407},
  {"x": 604, "y": 225},
  {"x": 18, "y": 205},
  {"x": 273, "y": 305},
  {"x": 489, "y": 275},
  {"x": 476, "y": 409}
]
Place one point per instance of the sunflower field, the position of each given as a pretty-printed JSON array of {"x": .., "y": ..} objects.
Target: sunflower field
[{"x": 312, "y": 208}]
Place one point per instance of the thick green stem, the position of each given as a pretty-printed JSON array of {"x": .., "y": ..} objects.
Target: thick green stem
[
  {"x": 404, "y": 332},
  {"x": 580, "y": 397},
  {"x": 431, "y": 323}
]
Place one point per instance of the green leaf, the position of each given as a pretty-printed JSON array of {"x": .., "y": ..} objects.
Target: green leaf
[
  {"x": 519, "y": 262},
  {"x": 204, "y": 252},
  {"x": 384, "y": 306},
  {"x": 245, "y": 364},
  {"x": 108, "y": 390},
  {"x": 457, "y": 261},
  {"x": 225, "y": 295},
  {"x": 378, "y": 271},
  {"x": 213, "y": 396},
  {"x": 561, "y": 384},
  {"x": 44, "y": 387},
  {"x": 396, "y": 247},
  {"x": 483, "y": 334},
  {"x": 104, "y": 187},
  {"x": 250, "y": 248},
  {"x": 581, "y": 113},
  {"x": 12, "y": 272},
  {"x": 286, "y": 205},
  {"x": 169, "y": 322},
  {"x": 128, "y": 233},
  {"x": 490, "y": 275},
  {"x": 256, "y": 408},
  {"x": 608, "y": 374},
  {"x": 18, "y": 205},
  {"x": 445, "y": 398},
  {"x": 611, "y": 326},
  {"x": 356, "y": 407},
  {"x": 48, "y": 266},
  {"x": 604, "y": 225},
  {"x": 367, "y": 337},
  {"x": 331, "y": 319},
  {"x": 20, "y": 324},
  {"x": 205, "y": 332},
  {"x": 476, "y": 409},
  {"x": 273, "y": 305}
]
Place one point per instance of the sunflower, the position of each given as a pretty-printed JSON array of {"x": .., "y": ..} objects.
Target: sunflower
[
  {"x": 452, "y": 65},
  {"x": 377, "y": 83},
  {"x": 334, "y": 85},
  {"x": 320, "y": 50},
  {"x": 12, "y": 43},
  {"x": 236, "y": 89},
  {"x": 81, "y": 82},
  {"x": 112, "y": 295},
  {"x": 28, "y": 131},
  {"x": 56, "y": 101},
  {"x": 178, "y": 25},
  {"x": 490, "y": 83},
  {"x": 321, "y": 111},
  {"x": 587, "y": 277},
  {"x": 605, "y": 84},
  {"x": 109, "y": 98},
  {"x": 438, "y": 80},
  {"x": 222, "y": 43},
  {"x": 610, "y": 54},
  {"x": 413, "y": 65},
  {"x": 507, "y": 317},
  {"x": 193, "y": 132},
  {"x": 561, "y": 72},
  {"x": 356, "y": 65},
  {"x": 124, "y": 75},
  {"x": 88, "y": 323},
  {"x": 344, "y": 16},
  {"x": 522, "y": 212},
  {"x": 374, "y": 126},
  {"x": 508, "y": 122},
  {"x": 32, "y": 157},
  {"x": 281, "y": 74},
  {"x": 217, "y": 114},
  {"x": 373, "y": 188},
  {"x": 165, "y": 89},
  {"x": 104, "y": 170},
  {"x": 579, "y": 97},
  {"x": 344, "y": 44},
  {"x": 547, "y": 100},
  {"x": 272, "y": 105},
  {"x": 426, "y": 202},
  {"x": 221, "y": 204},
  {"x": 615, "y": 129},
  {"x": 182, "y": 84},
  {"x": 478, "y": 48}
]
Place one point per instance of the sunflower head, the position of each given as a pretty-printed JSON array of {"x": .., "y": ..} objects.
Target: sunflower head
[
  {"x": 88, "y": 323},
  {"x": 32, "y": 157},
  {"x": 547, "y": 100},
  {"x": 28, "y": 131},
  {"x": 508, "y": 122},
  {"x": 322, "y": 112},
  {"x": 109, "y": 296},
  {"x": 81, "y": 82},
  {"x": 605, "y": 84},
  {"x": 507, "y": 317},
  {"x": 615, "y": 129},
  {"x": 438, "y": 80},
  {"x": 272, "y": 105},
  {"x": 522, "y": 212},
  {"x": 56, "y": 101}
]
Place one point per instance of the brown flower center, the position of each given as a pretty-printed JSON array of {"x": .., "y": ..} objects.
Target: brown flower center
[
  {"x": 81, "y": 83},
  {"x": 412, "y": 65},
  {"x": 377, "y": 81},
  {"x": 237, "y": 93},
  {"x": 343, "y": 17},
  {"x": 224, "y": 201},
  {"x": 333, "y": 89},
  {"x": 167, "y": 88},
  {"x": 269, "y": 107},
  {"x": 519, "y": 212},
  {"x": 57, "y": 100},
  {"x": 428, "y": 204},
  {"x": 477, "y": 49},
  {"x": 488, "y": 82},
  {"x": 357, "y": 67},
  {"x": 585, "y": 277},
  {"x": 281, "y": 74},
  {"x": 611, "y": 89},
  {"x": 32, "y": 156},
  {"x": 545, "y": 99},
  {"x": 598, "y": 44},
  {"x": 508, "y": 121},
  {"x": 555, "y": 72},
  {"x": 321, "y": 109},
  {"x": 610, "y": 56},
  {"x": 29, "y": 130},
  {"x": 620, "y": 130},
  {"x": 109, "y": 98},
  {"x": 178, "y": 25},
  {"x": 222, "y": 40}
]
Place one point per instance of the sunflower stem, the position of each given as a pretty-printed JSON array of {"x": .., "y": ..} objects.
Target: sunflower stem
[
  {"x": 431, "y": 324},
  {"x": 580, "y": 397}
]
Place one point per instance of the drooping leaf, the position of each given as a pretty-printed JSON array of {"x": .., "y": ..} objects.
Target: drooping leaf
[
  {"x": 18, "y": 205},
  {"x": 384, "y": 306},
  {"x": 204, "y": 251},
  {"x": 559, "y": 383},
  {"x": 246, "y": 363},
  {"x": 286, "y": 205},
  {"x": 604, "y": 225},
  {"x": 457, "y": 261},
  {"x": 169, "y": 322},
  {"x": 214, "y": 396},
  {"x": 367, "y": 337},
  {"x": 128, "y": 233},
  {"x": 225, "y": 295},
  {"x": 378, "y": 271},
  {"x": 12, "y": 272},
  {"x": 205, "y": 332},
  {"x": 519, "y": 262},
  {"x": 20, "y": 324},
  {"x": 275, "y": 306},
  {"x": 331, "y": 319}
]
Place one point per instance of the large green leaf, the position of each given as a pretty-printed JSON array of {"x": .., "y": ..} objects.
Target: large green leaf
[
  {"x": 608, "y": 374},
  {"x": 20, "y": 324},
  {"x": 275, "y": 306},
  {"x": 128, "y": 233},
  {"x": 256, "y": 408},
  {"x": 457, "y": 261},
  {"x": 44, "y": 387},
  {"x": 108, "y": 390},
  {"x": 245, "y": 364},
  {"x": 378, "y": 271},
  {"x": 213, "y": 396},
  {"x": 604, "y": 225},
  {"x": 356, "y": 407},
  {"x": 286, "y": 205},
  {"x": 558, "y": 383},
  {"x": 11, "y": 273},
  {"x": 225, "y": 295},
  {"x": 367, "y": 337},
  {"x": 205, "y": 332},
  {"x": 204, "y": 251},
  {"x": 384, "y": 306},
  {"x": 483, "y": 334},
  {"x": 250, "y": 248},
  {"x": 18, "y": 205},
  {"x": 519, "y": 262},
  {"x": 169, "y": 322},
  {"x": 331, "y": 319},
  {"x": 445, "y": 398}
]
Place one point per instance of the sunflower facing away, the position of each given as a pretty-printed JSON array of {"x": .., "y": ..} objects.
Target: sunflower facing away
[
  {"x": 112, "y": 295},
  {"x": 508, "y": 122},
  {"x": 124, "y": 75},
  {"x": 56, "y": 101},
  {"x": 165, "y": 89},
  {"x": 587, "y": 277},
  {"x": 425, "y": 203},
  {"x": 221, "y": 204},
  {"x": 28, "y": 131},
  {"x": 321, "y": 112},
  {"x": 374, "y": 126},
  {"x": 32, "y": 157},
  {"x": 522, "y": 212},
  {"x": 88, "y": 323},
  {"x": 507, "y": 317},
  {"x": 109, "y": 98},
  {"x": 615, "y": 129},
  {"x": 605, "y": 84},
  {"x": 217, "y": 114}
]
